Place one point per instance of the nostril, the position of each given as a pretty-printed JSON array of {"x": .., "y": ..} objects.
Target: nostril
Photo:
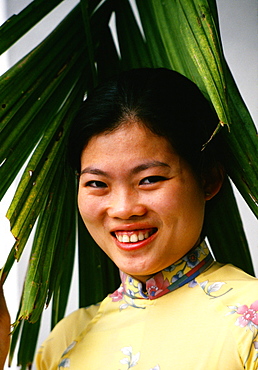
[{"x": 127, "y": 211}]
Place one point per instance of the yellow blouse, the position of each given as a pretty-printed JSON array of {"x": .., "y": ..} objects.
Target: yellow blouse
[{"x": 196, "y": 314}]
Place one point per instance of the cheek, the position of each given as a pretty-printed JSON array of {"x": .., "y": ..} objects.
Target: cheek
[
  {"x": 194, "y": 206},
  {"x": 183, "y": 201},
  {"x": 88, "y": 208},
  {"x": 91, "y": 214}
]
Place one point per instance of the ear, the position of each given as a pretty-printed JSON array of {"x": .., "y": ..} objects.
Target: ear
[{"x": 212, "y": 181}]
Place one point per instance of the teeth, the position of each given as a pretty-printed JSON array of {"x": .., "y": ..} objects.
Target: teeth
[
  {"x": 124, "y": 238},
  {"x": 141, "y": 236},
  {"x": 133, "y": 238}
]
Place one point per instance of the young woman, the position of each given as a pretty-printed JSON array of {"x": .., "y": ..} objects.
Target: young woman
[{"x": 144, "y": 185}]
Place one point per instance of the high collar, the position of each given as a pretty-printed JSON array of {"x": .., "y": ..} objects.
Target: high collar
[{"x": 174, "y": 276}]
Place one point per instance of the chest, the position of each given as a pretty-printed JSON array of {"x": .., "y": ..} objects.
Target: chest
[{"x": 155, "y": 335}]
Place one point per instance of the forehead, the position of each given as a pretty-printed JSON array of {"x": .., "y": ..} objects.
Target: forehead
[{"x": 128, "y": 142}]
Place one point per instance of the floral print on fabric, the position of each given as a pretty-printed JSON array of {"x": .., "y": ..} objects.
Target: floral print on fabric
[
  {"x": 256, "y": 347},
  {"x": 65, "y": 362},
  {"x": 132, "y": 360},
  {"x": 176, "y": 275},
  {"x": 158, "y": 285},
  {"x": 249, "y": 315},
  {"x": 127, "y": 292},
  {"x": 211, "y": 288},
  {"x": 117, "y": 295},
  {"x": 193, "y": 258},
  {"x": 180, "y": 273},
  {"x": 248, "y": 319}
]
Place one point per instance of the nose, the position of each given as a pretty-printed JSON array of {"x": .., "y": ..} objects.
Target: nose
[{"x": 126, "y": 205}]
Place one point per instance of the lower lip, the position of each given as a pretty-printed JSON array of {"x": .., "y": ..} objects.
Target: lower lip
[{"x": 135, "y": 246}]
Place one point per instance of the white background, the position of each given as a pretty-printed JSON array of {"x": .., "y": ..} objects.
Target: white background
[{"x": 239, "y": 30}]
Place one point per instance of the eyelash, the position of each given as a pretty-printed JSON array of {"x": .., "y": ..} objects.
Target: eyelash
[
  {"x": 98, "y": 184},
  {"x": 146, "y": 181},
  {"x": 152, "y": 180}
]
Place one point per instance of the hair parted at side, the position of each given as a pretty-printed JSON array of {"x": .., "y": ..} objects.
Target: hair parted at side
[{"x": 168, "y": 103}]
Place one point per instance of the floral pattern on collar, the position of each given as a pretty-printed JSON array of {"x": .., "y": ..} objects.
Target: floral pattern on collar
[{"x": 174, "y": 276}]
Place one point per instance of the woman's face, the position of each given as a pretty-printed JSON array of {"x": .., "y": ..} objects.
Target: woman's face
[{"x": 139, "y": 200}]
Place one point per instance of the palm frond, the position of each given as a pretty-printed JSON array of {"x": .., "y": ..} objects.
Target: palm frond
[{"x": 39, "y": 98}]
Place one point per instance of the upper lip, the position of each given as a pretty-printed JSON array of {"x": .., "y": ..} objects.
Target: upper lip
[{"x": 132, "y": 227}]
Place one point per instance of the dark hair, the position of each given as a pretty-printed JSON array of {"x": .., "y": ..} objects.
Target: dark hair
[{"x": 168, "y": 103}]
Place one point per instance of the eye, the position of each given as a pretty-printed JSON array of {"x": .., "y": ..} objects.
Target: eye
[
  {"x": 152, "y": 180},
  {"x": 96, "y": 184}
]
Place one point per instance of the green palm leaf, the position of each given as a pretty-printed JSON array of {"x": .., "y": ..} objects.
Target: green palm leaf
[
  {"x": 17, "y": 26},
  {"x": 39, "y": 98}
]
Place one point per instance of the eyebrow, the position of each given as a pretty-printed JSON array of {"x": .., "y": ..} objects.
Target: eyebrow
[
  {"x": 94, "y": 171},
  {"x": 146, "y": 166},
  {"x": 135, "y": 170}
]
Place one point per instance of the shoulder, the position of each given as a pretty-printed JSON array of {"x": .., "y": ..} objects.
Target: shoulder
[
  {"x": 76, "y": 318},
  {"x": 230, "y": 272},
  {"x": 233, "y": 296},
  {"x": 62, "y": 336},
  {"x": 228, "y": 283},
  {"x": 74, "y": 323}
]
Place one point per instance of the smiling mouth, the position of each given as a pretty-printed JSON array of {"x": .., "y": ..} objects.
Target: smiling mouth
[{"x": 133, "y": 236}]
